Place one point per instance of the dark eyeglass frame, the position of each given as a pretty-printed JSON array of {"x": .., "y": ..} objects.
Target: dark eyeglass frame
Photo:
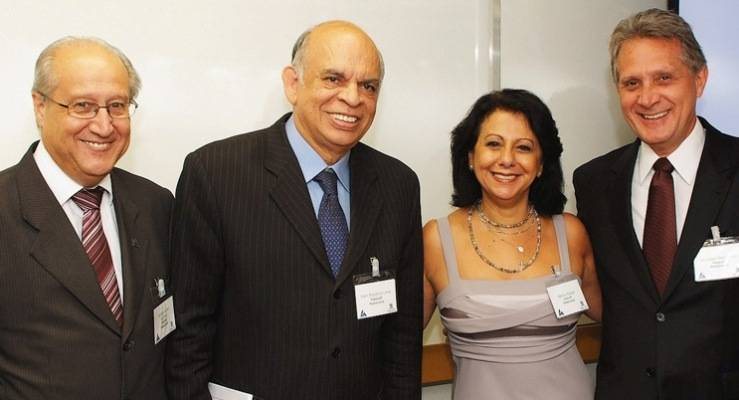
[{"x": 96, "y": 109}]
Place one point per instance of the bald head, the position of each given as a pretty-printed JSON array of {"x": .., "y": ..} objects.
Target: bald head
[
  {"x": 302, "y": 45},
  {"x": 46, "y": 78}
]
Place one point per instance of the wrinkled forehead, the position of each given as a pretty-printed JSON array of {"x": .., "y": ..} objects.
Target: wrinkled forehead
[
  {"x": 88, "y": 62},
  {"x": 344, "y": 49}
]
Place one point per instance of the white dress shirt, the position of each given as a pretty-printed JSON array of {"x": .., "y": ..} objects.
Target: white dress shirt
[
  {"x": 685, "y": 159},
  {"x": 63, "y": 188}
]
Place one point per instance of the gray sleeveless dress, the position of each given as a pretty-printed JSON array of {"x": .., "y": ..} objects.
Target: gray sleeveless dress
[{"x": 505, "y": 340}]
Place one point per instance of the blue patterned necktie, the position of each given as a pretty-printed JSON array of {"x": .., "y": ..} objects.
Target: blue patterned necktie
[{"x": 331, "y": 220}]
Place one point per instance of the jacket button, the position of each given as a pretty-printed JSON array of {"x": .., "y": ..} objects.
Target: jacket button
[
  {"x": 336, "y": 352},
  {"x": 337, "y": 294},
  {"x": 660, "y": 317},
  {"x": 651, "y": 372},
  {"x": 128, "y": 345}
]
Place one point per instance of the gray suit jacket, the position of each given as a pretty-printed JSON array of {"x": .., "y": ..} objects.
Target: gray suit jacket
[
  {"x": 685, "y": 343},
  {"x": 257, "y": 306},
  {"x": 58, "y": 338}
]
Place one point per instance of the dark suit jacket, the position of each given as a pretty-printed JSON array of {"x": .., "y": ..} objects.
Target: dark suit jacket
[
  {"x": 257, "y": 307},
  {"x": 684, "y": 344},
  {"x": 58, "y": 338}
]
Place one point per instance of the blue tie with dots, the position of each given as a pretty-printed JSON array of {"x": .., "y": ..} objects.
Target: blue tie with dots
[{"x": 331, "y": 220}]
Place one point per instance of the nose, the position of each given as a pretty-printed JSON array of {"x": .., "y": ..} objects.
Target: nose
[
  {"x": 506, "y": 157},
  {"x": 647, "y": 96},
  {"x": 350, "y": 95},
  {"x": 102, "y": 124}
]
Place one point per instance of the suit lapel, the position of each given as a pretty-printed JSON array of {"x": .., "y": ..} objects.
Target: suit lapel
[
  {"x": 57, "y": 247},
  {"x": 619, "y": 200},
  {"x": 712, "y": 182},
  {"x": 366, "y": 204},
  {"x": 290, "y": 192},
  {"x": 133, "y": 253}
]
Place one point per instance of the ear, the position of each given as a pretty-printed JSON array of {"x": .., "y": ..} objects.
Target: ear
[
  {"x": 290, "y": 83},
  {"x": 39, "y": 108},
  {"x": 700, "y": 80},
  {"x": 471, "y": 158}
]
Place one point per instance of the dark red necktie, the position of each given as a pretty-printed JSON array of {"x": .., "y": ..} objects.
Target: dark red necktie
[
  {"x": 660, "y": 233},
  {"x": 96, "y": 247}
]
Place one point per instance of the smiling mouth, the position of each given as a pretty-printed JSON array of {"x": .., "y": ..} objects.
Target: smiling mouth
[
  {"x": 97, "y": 145},
  {"x": 654, "y": 116},
  {"x": 344, "y": 118},
  {"x": 504, "y": 177}
]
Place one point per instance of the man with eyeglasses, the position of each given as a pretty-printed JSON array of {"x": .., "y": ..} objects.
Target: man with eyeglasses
[{"x": 83, "y": 245}]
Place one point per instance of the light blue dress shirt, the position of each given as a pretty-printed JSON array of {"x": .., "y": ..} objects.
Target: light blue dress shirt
[{"x": 311, "y": 164}]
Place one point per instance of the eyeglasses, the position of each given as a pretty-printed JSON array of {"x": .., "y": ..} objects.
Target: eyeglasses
[{"x": 87, "y": 110}]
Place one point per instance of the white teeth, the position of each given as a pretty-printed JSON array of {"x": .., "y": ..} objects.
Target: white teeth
[
  {"x": 506, "y": 178},
  {"x": 654, "y": 116},
  {"x": 345, "y": 118},
  {"x": 96, "y": 144}
]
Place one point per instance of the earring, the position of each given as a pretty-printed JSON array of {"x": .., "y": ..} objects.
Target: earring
[{"x": 471, "y": 167}]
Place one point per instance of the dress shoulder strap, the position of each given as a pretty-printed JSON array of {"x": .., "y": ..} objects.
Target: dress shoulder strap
[
  {"x": 447, "y": 246},
  {"x": 561, "y": 233}
]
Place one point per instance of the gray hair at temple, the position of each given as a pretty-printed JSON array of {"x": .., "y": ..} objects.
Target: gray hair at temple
[
  {"x": 301, "y": 47},
  {"x": 658, "y": 24},
  {"x": 45, "y": 79}
]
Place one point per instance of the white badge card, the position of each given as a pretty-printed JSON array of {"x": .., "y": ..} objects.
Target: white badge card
[
  {"x": 375, "y": 293},
  {"x": 218, "y": 392},
  {"x": 164, "y": 322},
  {"x": 566, "y": 296},
  {"x": 717, "y": 260}
]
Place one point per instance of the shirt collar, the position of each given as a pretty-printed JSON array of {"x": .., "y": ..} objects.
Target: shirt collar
[
  {"x": 62, "y": 186},
  {"x": 684, "y": 159},
  {"x": 311, "y": 164}
]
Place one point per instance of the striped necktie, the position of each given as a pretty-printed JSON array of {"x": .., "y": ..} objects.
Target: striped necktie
[{"x": 96, "y": 247}]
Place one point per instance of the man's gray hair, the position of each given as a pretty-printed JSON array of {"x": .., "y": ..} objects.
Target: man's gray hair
[
  {"x": 658, "y": 24},
  {"x": 300, "y": 48},
  {"x": 45, "y": 79}
]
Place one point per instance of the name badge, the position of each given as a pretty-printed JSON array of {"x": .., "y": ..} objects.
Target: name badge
[
  {"x": 566, "y": 296},
  {"x": 218, "y": 392},
  {"x": 375, "y": 293},
  {"x": 718, "y": 259},
  {"x": 164, "y": 322}
]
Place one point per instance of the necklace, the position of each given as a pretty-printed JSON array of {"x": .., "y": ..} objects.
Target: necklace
[
  {"x": 523, "y": 264},
  {"x": 493, "y": 224}
]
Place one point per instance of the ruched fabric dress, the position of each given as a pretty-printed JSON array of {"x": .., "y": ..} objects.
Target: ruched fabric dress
[{"x": 505, "y": 340}]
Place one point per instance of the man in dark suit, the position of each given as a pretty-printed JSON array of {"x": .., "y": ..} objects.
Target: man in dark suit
[
  {"x": 81, "y": 242},
  {"x": 264, "y": 264},
  {"x": 649, "y": 206}
]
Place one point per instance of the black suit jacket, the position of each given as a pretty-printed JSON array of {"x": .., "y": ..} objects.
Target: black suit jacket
[
  {"x": 257, "y": 307},
  {"x": 58, "y": 338},
  {"x": 684, "y": 344}
]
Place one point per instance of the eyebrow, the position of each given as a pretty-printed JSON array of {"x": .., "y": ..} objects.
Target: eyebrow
[
  {"x": 341, "y": 75},
  {"x": 333, "y": 72}
]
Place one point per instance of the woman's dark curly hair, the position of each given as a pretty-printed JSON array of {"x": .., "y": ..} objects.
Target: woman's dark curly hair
[{"x": 546, "y": 191}]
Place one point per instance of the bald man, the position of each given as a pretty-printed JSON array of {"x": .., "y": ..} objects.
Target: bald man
[
  {"x": 81, "y": 242},
  {"x": 276, "y": 235}
]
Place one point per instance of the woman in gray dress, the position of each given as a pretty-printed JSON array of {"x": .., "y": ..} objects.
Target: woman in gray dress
[{"x": 489, "y": 263}]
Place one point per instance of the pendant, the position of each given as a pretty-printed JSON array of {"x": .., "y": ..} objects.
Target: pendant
[{"x": 519, "y": 248}]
